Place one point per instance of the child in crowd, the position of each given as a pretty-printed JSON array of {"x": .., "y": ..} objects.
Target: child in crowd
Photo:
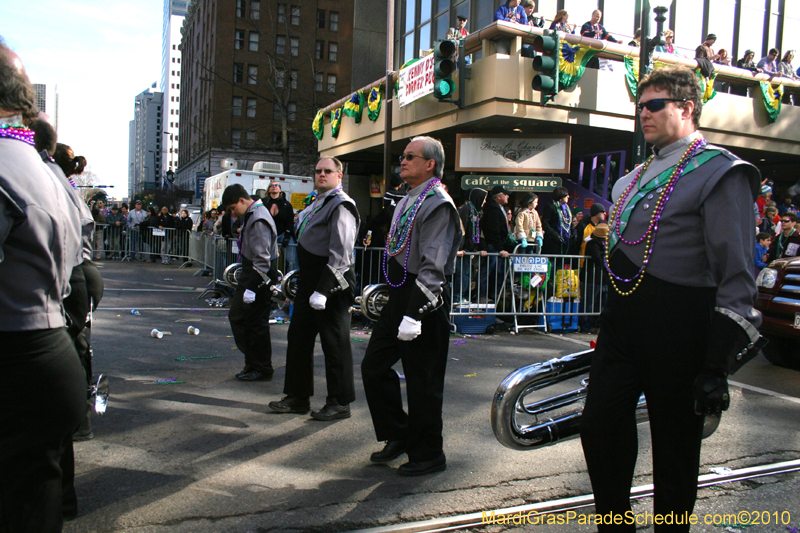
[{"x": 762, "y": 246}]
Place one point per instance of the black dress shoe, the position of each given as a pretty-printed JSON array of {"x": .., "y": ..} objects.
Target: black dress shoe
[
  {"x": 291, "y": 405},
  {"x": 390, "y": 452},
  {"x": 331, "y": 412},
  {"x": 422, "y": 468},
  {"x": 255, "y": 375},
  {"x": 246, "y": 370}
]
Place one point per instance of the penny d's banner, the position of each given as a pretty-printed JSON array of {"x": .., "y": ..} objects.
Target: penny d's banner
[
  {"x": 415, "y": 81},
  {"x": 534, "y": 154}
]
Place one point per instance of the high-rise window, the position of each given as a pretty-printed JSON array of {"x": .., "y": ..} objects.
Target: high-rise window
[
  {"x": 280, "y": 44},
  {"x": 334, "y": 24},
  {"x": 318, "y": 82},
  {"x": 236, "y": 138},
  {"x": 294, "y": 45},
  {"x": 281, "y": 13},
  {"x": 292, "y": 109},
  {"x": 250, "y": 138},
  {"x": 236, "y": 107},
  {"x": 239, "y": 8},
  {"x": 331, "y": 83},
  {"x": 319, "y": 48},
  {"x": 251, "y": 107},
  {"x": 295, "y": 15},
  {"x": 238, "y": 73},
  {"x": 293, "y": 79},
  {"x": 321, "y": 19},
  {"x": 255, "y": 9},
  {"x": 238, "y": 40},
  {"x": 333, "y": 51},
  {"x": 277, "y": 111},
  {"x": 253, "y": 41},
  {"x": 252, "y": 74},
  {"x": 280, "y": 76}
]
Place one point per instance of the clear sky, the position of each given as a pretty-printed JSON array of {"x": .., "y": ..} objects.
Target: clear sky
[{"x": 100, "y": 55}]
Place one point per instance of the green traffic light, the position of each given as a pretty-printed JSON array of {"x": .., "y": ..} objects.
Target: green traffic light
[{"x": 443, "y": 67}]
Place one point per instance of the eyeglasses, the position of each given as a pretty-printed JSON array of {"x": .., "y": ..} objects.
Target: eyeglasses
[
  {"x": 325, "y": 170},
  {"x": 274, "y": 185},
  {"x": 410, "y": 157},
  {"x": 787, "y": 221},
  {"x": 657, "y": 104}
]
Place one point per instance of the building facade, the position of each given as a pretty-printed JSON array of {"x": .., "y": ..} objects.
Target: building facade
[
  {"x": 47, "y": 100},
  {"x": 254, "y": 74},
  {"x": 174, "y": 13},
  {"x": 146, "y": 145}
]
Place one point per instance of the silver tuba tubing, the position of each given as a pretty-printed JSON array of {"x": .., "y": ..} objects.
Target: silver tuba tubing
[{"x": 525, "y": 426}]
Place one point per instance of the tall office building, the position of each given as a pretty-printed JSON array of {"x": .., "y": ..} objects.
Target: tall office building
[
  {"x": 174, "y": 13},
  {"x": 47, "y": 100},
  {"x": 145, "y": 149}
]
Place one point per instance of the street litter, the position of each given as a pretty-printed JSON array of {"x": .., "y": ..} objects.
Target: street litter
[
  {"x": 156, "y": 334},
  {"x": 168, "y": 381},
  {"x": 191, "y": 330},
  {"x": 135, "y": 312},
  {"x": 720, "y": 470},
  {"x": 181, "y": 358},
  {"x": 470, "y": 375},
  {"x": 454, "y": 359},
  {"x": 208, "y": 357}
]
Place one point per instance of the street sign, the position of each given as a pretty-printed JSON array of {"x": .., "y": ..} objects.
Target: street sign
[
  {"x": 529, "y": 263},
  {"x": 512, "y": 183}
]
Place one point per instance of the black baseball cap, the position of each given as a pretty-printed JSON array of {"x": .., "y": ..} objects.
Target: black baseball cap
[{"x": 497, "y": 189}]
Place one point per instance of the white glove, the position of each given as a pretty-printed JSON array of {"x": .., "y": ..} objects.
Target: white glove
[
  {"x": 249, "y": 297},
  {"x": 317, "y": 301},
  {"x": 409, "y": 329}
]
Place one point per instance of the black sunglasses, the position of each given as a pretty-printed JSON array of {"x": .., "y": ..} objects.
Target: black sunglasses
[
  {"x": 325, "y": 170},
  {"x": 410, "y": 157},
  {"x": 787, "y": 221},
  {"x": 657, "y": 104}
]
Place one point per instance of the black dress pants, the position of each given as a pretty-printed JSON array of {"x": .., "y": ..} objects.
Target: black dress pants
[
  {"x": 43, "y": 393},
  {"x": 424, "y": 364},
  {"x": 652, "y": 341},
  {"x": 250, "y": 328},
  {"x": 333, "y": 326}
]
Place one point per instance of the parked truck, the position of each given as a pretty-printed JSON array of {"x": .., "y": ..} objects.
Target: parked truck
[{"x": 256, "y": 182}]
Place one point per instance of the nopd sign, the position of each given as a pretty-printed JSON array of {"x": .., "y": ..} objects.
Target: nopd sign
[{"x": 512, "y": 183}]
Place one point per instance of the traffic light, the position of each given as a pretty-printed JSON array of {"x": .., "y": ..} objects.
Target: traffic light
[
  {"x": 443, "y": 67},
  {"x": 546, "y": 63}
]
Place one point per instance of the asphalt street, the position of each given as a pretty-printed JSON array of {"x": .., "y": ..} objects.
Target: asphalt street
[{"x": 184, "y": 447}]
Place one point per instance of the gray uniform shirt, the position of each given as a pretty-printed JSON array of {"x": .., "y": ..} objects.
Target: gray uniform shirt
[
  {"x": 259, "y": 239},
  {"x": 435, "y": 238},
  {"x": 331, "y": 232},
  {"x": 705, "y": 234},
  {"x": 40, "y": 240}
]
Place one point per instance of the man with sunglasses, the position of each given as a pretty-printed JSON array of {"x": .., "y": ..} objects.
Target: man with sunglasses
[
  {"x": 326, "y": 237},
  {"x": 414, "y": 326},
  {"x": 250, "y": 305},
  {"x": 679, "y": 317},
  {"x": 787, "y": 243}
]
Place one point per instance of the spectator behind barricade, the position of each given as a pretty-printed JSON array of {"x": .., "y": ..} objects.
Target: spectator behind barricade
[
  {"x": 574, "y": 236},
  {"x": 222, "y": 226},
  {"x": 786, "y": 206},
  {"x": 494, "y": 224},
  {"x": 705, "y": 49},
  {"x": 116, "y": 222},
  {"x": 557, "y": 223},
  {"x": 787, "y": 242},
  {"x": 470, "y": 214},
  {"x": 146, "y": 233},
  {"x": 595, "y": 30},
  {"x": 794, "y": 191},
  {"x": 208, "y": 224},
  {"x": 395, "y": 191},
  {"x": 99, "y": 232},
  {"x": 534, "y": 19},
  {"x": 163, "y": 243},
  {"x": 183, "y": 227},
  {"x": 511, "y": 11},
  {"x": 747, "y": 62},
  {"x": 283, "y": 215},
  {"x": 763, "y": 198},
  {"x": 669, "y": 46},
  {"x": 123, "y": 209},
  {"x": 585, "y": 228},
  {"x": 509, "y": 220},
  {"x": 560, "y": 22},
  {"x": 593, "y": 277},
  {"x": 769, "y": 63},
  {"x": 135, "y": 220},
  {"x": 637, "y": 38},
  {"x": 767, "y": 222},
  {"x": 527, "y": 224},
  {"x": 763, "y": 241}
]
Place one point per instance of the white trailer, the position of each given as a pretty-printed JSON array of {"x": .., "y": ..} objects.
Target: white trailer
[{"x": 256, "y": 182}]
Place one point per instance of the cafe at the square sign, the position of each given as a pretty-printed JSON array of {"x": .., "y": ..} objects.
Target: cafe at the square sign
[{"x": 535, "y": 154}]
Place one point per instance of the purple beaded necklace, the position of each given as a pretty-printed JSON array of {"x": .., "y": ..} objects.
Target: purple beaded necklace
[
  {"x": 649, "y": 236},
  {"x": 400, "y": 232},
  {"x": 18, "y": 132}
]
